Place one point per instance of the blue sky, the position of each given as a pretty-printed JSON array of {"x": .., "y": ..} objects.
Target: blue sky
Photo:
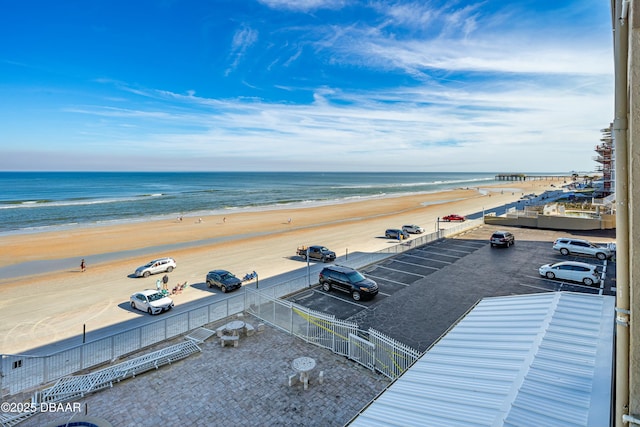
[{"x": 322, "y": 85}]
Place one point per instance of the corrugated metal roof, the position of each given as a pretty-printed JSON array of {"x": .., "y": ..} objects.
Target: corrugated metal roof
[{"x": 530, "y": 360}]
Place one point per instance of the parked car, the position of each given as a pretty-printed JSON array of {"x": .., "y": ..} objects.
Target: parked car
[
  {"x": 348, "y": 280},
  {"x": 571, "y": 270},
  {"x": 502, "y": 238},
  {"x": 223, "y": 279},
  {"x": 161, "y": 265},
  {"x": 568, "y": 245},
  {"x": 412, "y": 228},
  {"x": 317, "y": 252},
  {"x": 151, "y": 301},
  {"x": 393, "y": 233},
  {"x": 453, "y": 217}
]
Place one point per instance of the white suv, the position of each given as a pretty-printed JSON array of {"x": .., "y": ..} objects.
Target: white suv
[
  {"x": 567, "y": 245},
  {"x": 160, "y": 265},
  {"x": 412, "y": 228}
]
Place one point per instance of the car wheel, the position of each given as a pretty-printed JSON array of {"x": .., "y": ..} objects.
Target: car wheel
[
  {"x": 209, "y": 284},
  {"x": 564, "y": 251},
  {"x": 356, "y": 295},
  {"x": 326, "y": 286},
  {"x": 493, "y": 245},
  {"x": 223, "y": 288},
  {"x": 169, "y": 269},
  {"x": 550, "y": 275},
  {"x": 601, "y": 256},
  {"x": 150, "y": 311},
  {"x": 587, "y": 281},
  {"x": 146, "y": 274},
  {"x": 133, "y": 305}
]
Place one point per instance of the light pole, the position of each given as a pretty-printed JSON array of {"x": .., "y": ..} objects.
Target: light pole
[{"x": 308, "y": 270}]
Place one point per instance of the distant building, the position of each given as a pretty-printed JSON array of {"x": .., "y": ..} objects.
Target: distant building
[{"x": 605, "y": 158}]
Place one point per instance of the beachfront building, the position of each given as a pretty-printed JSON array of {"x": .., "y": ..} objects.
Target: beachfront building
[{"x": 605, "y": 159}]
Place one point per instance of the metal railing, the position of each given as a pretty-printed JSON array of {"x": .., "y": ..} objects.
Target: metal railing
[
  {"x": 19, "y": 373},
  {"x": 369, "y": 348}
]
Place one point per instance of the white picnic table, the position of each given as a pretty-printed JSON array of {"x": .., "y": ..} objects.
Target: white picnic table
[
  {"x": 304, "y": 365},
  {"x": 235, "y": 327}
]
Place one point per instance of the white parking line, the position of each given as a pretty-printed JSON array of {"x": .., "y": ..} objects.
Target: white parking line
[
  {"x": 428, "y": 259},
  {"x": 330, "y": 294},
  {"x": 468, "y": 244},
  {"x": 462, "y": 252},
  {"x": 431, "y": 259},
  {"x": 417, "y": 265},
  {"x": 440, "y": 254},
  {"x": 536, "y": 287},
  {"x": 400, "y": 271},
  {"x": 388, "y": 280},
  {"x": 564, "y": 282}
]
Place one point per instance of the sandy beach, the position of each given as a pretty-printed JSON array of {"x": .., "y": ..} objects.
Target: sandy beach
[{"x": 42, "y": 308}]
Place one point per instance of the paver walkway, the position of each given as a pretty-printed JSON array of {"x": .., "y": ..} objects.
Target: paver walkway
[{"x": 236, "y": 386}]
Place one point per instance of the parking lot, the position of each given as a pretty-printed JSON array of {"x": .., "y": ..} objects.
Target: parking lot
[{"x": 426, "y": 290}]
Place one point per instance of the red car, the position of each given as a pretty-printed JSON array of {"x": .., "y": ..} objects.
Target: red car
[{"x": 453, "y": 217}]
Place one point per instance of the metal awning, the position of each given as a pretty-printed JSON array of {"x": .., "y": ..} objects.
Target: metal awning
[{"x": 531, "y": 360}]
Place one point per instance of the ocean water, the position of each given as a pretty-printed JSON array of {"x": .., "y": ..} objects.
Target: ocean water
[{"x": 43, "y": 201}]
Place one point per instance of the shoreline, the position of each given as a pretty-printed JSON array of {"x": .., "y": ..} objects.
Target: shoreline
[
  {"x": 258, "y": 241},
  {"x": 29, "y": 255},
  {"x": 239, "y": 210}
]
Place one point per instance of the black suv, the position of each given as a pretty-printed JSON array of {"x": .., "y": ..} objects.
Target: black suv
[
  {"x": 347, "y": 280},
  {"x": 502, "y": 238},
  {"x": 223, "y": 279}
]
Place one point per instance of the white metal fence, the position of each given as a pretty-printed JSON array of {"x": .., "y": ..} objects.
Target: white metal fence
[
  {"x": 371, "y": 349},
  {"x": 20, "y": 373}
]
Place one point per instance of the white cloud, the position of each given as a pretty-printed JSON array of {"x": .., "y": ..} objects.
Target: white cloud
[
  {"x": 304, "y": 5},
  {"x": 243, "y": 39},
  {"x": 462, "y": 88}
]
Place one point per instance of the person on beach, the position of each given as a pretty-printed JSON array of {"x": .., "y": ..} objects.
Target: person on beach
[
  {"x": 83, "y": 266},
  {"x": 165, "y": 280}
]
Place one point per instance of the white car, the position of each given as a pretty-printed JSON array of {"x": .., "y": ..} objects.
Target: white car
[
  {"x": 571, "y": 270},
  {"x": 160, "y": 265},
  {"x": 151, "y": 301},
  {"x": 412, "y": 228},
  {"x": 568, "y": 245}
]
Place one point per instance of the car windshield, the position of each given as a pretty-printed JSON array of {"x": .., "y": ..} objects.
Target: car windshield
[
  {"x": 155, "y": 297},
  {"x": 227, "y": 276},
  {"x": 355, "y": 277}
]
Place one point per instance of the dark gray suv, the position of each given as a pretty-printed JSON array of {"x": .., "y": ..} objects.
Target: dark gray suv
[
  {"x": 502, "y": 238},
  {"x": 347, "y": 279},
  {"x": 396, "y": 233}
]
